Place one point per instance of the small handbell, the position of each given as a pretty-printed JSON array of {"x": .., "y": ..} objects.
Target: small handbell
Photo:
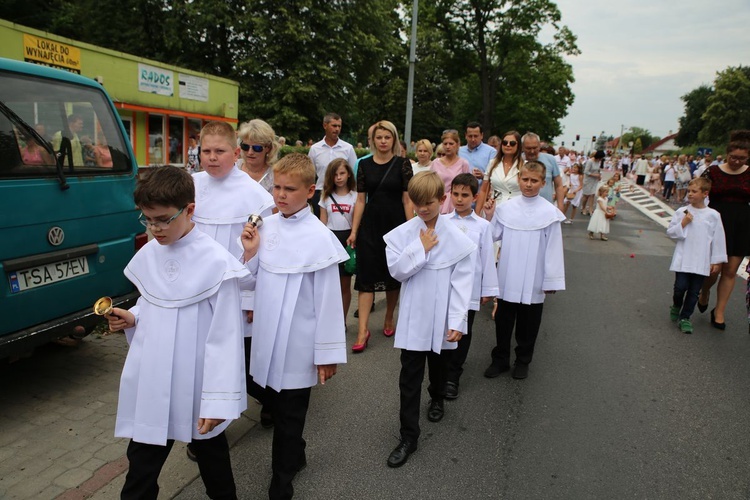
[
  {"x": 103, "y": 306},
  {"x": 255, "y": 220}
]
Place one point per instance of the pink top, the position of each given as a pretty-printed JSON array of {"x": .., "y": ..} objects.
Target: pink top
[
  {"x": 447, "y": 174},
  {"x": 30, "y": 157}
]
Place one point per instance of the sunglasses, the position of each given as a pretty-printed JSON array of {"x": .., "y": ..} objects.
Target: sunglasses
[
  {"x": 509, "y": 143},
  {"x": 256, "y": 147}
]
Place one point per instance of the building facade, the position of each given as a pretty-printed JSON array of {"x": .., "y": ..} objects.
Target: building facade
[{"x": 160, "y": 105}]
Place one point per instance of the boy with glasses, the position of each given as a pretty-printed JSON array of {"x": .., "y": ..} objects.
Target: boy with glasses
[{"x": 182, "y": 378}]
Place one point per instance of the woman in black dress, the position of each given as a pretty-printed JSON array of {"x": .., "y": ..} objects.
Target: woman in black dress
[
  {"x": 382, "y": 204},
  {"x": 730, "y": 196}
]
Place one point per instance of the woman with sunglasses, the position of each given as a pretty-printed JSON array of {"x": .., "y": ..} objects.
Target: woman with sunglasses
[
  {"x": 450, "y": 165},
  {"x": 260, "y": 150},
  {"x": 501, "y": 180},
  {"x": 730, "y": 196}
]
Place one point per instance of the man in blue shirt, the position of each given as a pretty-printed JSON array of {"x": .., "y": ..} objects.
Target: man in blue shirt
[
  {"x": 553, "y": 188},
  {"x": 476, "y": 152}
]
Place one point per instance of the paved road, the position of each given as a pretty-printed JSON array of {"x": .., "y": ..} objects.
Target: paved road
[{"x": 618, "y": 404}]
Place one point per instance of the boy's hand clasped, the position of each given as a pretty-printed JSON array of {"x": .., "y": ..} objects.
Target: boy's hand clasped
[
  {"x": 206, "y": 425},
  {"x": 429, "y": 239},
  {"x": 687, "y": 219},
  {"x": 453, "y": 336}
]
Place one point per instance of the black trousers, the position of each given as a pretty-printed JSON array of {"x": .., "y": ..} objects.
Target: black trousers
[
  {"x": 625, "y": 169},
  {"x": 640, "y": 180},
  {"x": 455, "y": 359},
  {"x": 410, "y": 386},
  {"x": 289, "y": 408},
  {"x": 314, "y": 203},
  {"x": 146, "y": 461},
  {"x": 253, "y": 389},
  {"x": 526, "y": 318}
]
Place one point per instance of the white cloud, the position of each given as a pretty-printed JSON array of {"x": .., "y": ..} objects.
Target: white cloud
[{"x": 639, "y": 57}]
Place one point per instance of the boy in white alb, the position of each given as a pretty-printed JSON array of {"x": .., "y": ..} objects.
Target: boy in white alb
[
  {"x": 298, "y": 337},
  {"x": 531, "y": 265},
  {"x": 183, "y": 376},
  {"x": 434, "y": 261},
  {"x": 464, "y": 190},
  {"x": 700, "y": 250},
  {"x": 224, "y": 199}
]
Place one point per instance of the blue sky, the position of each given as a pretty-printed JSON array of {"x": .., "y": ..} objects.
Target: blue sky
[{"x": 639, "y": 57}]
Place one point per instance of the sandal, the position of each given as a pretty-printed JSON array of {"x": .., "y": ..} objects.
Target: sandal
[
  {"x": 591, "y": 235},
  {"x": 604, "y": 238}
]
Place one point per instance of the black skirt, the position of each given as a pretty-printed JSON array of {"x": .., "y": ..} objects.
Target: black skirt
[{"x": 735, "y": 216}]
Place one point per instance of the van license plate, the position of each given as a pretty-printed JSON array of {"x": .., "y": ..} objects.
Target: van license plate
[{"x": 34, "y": 277}]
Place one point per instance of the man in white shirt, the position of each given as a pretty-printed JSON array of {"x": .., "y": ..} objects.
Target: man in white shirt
[
  {"x": 323, "y": 152},
  {"x": 563, "y": 164},
  {"x": 476, "y": 152}
]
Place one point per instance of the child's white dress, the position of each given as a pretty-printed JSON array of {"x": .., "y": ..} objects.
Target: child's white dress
[
  {"x": 599, "y": 223},
  {"x": 575, "y": 183}
]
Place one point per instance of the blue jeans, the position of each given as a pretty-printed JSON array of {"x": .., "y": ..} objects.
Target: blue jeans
[{"x": 687, "y": 288}]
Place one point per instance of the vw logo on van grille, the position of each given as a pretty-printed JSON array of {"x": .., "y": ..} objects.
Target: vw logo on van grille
[{"x": 55, "y": 236}]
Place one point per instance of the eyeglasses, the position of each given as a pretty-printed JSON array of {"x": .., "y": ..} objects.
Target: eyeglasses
[
  {"x": 509, "y": 143},
  {"x": 161, "y": 225},
  {"x": 256, "y": 147},
  {"x": 439, "y": 154},
  {"x": 740, "y": 159}
]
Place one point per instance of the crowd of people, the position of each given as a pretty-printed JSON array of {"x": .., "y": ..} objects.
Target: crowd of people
[{"x": 440, "y": 237}]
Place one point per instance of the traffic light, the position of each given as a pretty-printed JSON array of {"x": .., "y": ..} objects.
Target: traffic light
[
  {"x": 573, "y": 145},
  {"x": 562, "y": 143},
  {"x": 593, "y": 138},
  {"x": 578, "y": 137}
]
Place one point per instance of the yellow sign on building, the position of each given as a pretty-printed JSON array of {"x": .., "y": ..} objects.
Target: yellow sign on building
[{"x": 51, "y": 53}]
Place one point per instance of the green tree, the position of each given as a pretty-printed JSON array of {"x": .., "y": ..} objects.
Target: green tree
[
  {"x": 691, "y": 123},
  {"x": 638, "y": 146},
  {"x": 728, "y": 107},
  {"x": 639, "y": 134},
  {"x": 497, "y": 44}
]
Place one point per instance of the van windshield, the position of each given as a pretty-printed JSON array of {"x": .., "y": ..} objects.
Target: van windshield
[{"x": 76, "y": 120}]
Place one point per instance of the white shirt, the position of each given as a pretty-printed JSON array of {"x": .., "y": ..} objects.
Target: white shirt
[
  {"x": 322, "y": 155},
  {"x": 479, "y": 231},
  {"x": 339, "y": 220},
  {"x": 436, "y": 285},
  {"x": 531, "y": 260},
  {"x": 504, "y": 187},
  {"x": 700, "y": 243},
  {"x": 185, "y": 359},
  {"x": 299, "y": 317}
]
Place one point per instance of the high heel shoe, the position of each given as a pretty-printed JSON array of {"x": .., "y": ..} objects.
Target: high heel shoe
[
  {"x": 361, "y": 347},
  {"x": 716, "y": 324},
  {"x": 388, "y": 332}
]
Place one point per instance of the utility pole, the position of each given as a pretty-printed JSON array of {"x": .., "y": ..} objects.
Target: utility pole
[{"x": 412, "y": 60}]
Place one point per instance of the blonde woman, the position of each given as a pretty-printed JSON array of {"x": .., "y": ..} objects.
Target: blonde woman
[
  {"x": 260, "y": 150},
  {"x": 450, "y": 165},
  {"x": 424, "y": 156}
]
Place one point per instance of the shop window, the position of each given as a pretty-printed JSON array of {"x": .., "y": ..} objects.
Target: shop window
[
  {"x": 156, "y": 146},
  {"x": 176, "y": 140}
]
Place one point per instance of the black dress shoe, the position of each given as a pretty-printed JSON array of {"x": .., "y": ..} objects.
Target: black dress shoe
[
  {"x": 520, "y": 371},
  {"x": 451, "y": 390},
  {"x": 266, "y": 419},
  {"x": 302, "y": 463},
  {"x": 400, "y": 454},
  {"x": 190, "y": 453},
  {"x": 716, "y": 324},
  {"x": 702, "y": 307},
  {"x": 436, "y": 411},
  {"x": 495, "y": 369}
]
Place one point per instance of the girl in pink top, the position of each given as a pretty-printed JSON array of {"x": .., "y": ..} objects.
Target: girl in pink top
[{"x": 449, "y": 165}]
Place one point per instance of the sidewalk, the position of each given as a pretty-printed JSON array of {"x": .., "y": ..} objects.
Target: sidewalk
[{"x": 57, "y": 412}]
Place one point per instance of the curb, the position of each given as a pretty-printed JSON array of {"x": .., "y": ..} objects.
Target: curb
[{"x": 178, "y": 471}]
